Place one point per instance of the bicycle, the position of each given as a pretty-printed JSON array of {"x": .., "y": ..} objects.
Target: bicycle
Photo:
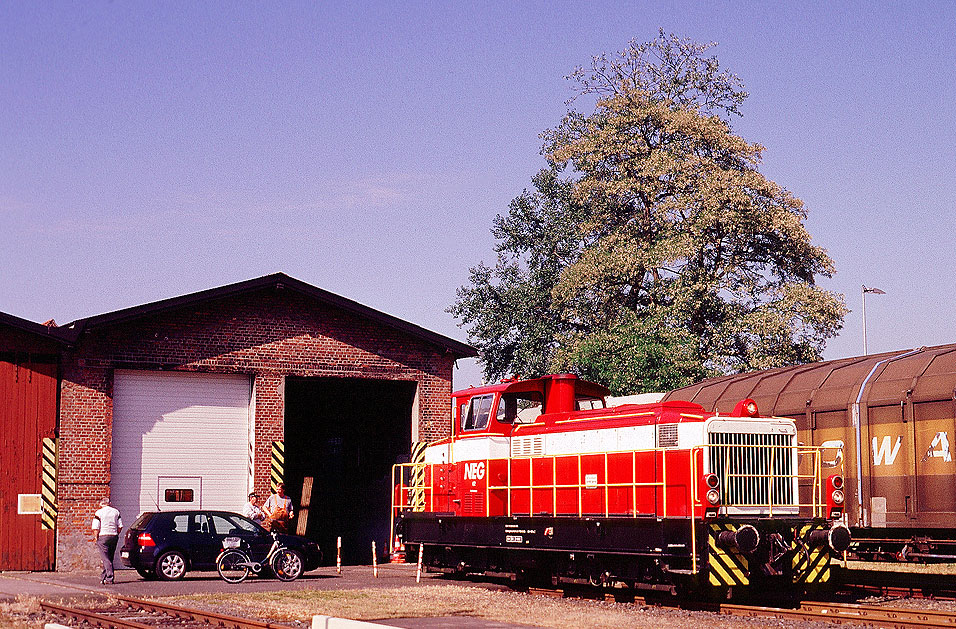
[{"x": 235, "y": 561}]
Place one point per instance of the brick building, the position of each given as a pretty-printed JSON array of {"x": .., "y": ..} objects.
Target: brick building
[{"x": 208, "y": 395}]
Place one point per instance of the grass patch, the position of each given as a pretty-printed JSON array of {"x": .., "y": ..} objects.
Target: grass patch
[
  {"x": 915, "y": 568},
  {"x": 422, "y": 602},
  {"x": 20, "y": 614}
]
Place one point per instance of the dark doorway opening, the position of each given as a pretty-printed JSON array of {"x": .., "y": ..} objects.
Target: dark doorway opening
[{"x": 346, "y": 433}]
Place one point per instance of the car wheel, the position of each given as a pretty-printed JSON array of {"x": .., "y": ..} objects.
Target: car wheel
[
  {"x": 287, "y": 565},
  {"x": 171, "y": 566},
  {"x": 149, "y": 575}
]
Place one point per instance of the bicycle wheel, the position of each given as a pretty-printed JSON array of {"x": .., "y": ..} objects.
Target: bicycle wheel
[
  {"x": 287, "y": 565},
  {"x": 233, "y": 566}
]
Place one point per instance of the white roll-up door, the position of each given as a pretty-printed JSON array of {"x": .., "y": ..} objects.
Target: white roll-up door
[{"x": 180, "y": 441}]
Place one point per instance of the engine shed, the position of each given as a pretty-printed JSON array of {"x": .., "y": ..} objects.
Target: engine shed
[{"x": 193, "y": 401}]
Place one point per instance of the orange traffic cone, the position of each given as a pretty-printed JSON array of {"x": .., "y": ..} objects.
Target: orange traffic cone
[{"x": 398, "y": 551}]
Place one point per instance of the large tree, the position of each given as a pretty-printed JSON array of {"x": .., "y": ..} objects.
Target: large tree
[{"x": 652, "y": 251}]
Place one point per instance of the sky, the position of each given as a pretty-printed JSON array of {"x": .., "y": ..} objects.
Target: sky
[{"x": 149, "y": 150}]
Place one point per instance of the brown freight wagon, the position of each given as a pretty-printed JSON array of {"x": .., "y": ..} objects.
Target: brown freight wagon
[{"x": 898, "y": 410}]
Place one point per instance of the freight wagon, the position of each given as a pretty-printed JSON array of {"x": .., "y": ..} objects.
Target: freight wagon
[
  {"x": 539, "y": 481},
  {"x": 889, "y": 420}
]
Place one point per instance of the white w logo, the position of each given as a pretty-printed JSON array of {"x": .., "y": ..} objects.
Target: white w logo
[{"x": 884, "y": 452}]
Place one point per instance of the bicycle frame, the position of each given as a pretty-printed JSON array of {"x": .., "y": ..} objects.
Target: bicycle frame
[{"x": 256, "y": 566}]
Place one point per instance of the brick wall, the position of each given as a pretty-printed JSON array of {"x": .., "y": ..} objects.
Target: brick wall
[{"x": 267, "y": 334}]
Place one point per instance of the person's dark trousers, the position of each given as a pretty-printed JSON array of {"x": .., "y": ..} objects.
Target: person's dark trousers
[{"x": 106, "y": 544}]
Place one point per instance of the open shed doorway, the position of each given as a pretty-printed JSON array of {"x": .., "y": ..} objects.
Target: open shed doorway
[{"x": 346, "y": 433}]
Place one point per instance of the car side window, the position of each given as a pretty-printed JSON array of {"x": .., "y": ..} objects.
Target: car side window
[
  {"x": 180, "y": 523},
  {"x": 200, "y": 523},
  {"x": 222, "y": 526}
]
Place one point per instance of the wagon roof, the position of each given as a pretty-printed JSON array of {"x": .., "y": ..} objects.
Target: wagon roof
[{"x": 919, "y": 375}]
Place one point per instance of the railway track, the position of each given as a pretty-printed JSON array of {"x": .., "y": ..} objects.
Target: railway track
[
  {"x": 134, "y": 613},
  {"x": 834, "y": 613},
  {"x": 912, "y": 583},
  {"x": 848, "y": 614}
]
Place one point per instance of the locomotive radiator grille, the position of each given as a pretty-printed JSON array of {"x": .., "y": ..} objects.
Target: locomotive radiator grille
[{"x": 755, "y": 469}]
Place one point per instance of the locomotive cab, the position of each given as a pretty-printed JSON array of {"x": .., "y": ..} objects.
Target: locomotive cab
[{"x": 496, "y": 409}]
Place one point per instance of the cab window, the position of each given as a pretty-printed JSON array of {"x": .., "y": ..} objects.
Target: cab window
[
  {"x": 519, "y": 408},
  {"x": 476, "y": 418},
  {"x": 589, "y": 403}
]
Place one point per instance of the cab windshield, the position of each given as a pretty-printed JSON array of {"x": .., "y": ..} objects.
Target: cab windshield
[{"x": 477, "y": 413}]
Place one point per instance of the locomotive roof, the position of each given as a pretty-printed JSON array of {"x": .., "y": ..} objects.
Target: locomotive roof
[{"x": 581, "y": 387}]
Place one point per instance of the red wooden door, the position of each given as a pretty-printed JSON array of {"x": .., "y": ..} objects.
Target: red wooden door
[{"x": 27, "y": 415}]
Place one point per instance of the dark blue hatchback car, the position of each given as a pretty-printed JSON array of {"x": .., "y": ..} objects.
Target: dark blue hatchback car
[{"x": 167, "y": 544}]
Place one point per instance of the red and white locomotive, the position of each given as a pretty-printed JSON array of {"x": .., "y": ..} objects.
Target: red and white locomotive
[{"x": 540, "y": 480}]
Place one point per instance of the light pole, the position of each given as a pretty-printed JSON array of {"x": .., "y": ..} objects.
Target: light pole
[{"x": 875, "y": 291}]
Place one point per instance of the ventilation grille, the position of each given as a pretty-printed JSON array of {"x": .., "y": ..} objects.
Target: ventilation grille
[
  {"x": 473, "y": 503},
  {"x": 754, "y": 469},
  {"x": 666, "y": 435},
  {"x": 527, "y": 446}
]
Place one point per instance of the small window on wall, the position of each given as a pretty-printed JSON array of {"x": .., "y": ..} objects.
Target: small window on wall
[
  {"x": 179, "y": 495},
  {"x": 478, "y": 411}
]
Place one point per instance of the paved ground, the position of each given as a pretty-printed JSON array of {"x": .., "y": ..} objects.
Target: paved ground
[{"x": 87, "y": 584}]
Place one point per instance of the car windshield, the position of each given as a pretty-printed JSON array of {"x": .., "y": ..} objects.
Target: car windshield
[{"x": 230, "y": 524}]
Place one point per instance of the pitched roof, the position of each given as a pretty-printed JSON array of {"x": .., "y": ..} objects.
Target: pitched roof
[
  {"x": 49, "y": 332},
  {"x": 276, "y": 280}
]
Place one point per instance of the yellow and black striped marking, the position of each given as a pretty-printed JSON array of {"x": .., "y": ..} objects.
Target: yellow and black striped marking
[
  {"x": 417, "y": 500},
  {"x": 811, "y": 565},
  {"x": 727, "y": 567},
  {"x": 278, "y": 463},
  {"x": 48, "y": 485}
]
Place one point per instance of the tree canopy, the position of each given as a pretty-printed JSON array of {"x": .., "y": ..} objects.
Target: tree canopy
[{"x": 651, "y": 252}]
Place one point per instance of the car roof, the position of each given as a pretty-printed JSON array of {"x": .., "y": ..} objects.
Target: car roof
[{"x": 191, "y": 512}]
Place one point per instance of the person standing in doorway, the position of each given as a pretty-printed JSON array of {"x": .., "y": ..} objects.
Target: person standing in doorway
[
  {"x": 278, "y": 509},
  {"x": 107, "y": 523}
]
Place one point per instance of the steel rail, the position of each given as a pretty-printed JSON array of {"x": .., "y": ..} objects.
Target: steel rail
[
  {"x": 97, "y": 620},
  {"x": 174, "y": 611},
  {"x": 892, "y": 618},
  {"x": 835, "y": 613},
  {"x": 871, "y": 612},
  {"x": 213, "y": 618}
]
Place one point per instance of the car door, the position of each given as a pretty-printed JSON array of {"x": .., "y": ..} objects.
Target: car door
[{"x": 204, "y": 544}]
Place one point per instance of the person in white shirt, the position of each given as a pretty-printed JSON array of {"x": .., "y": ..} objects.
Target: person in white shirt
[
  {"x": 107, "y": 523},
  {"x": 252, "y": 511},
  {"x": 278, "y": 509}
]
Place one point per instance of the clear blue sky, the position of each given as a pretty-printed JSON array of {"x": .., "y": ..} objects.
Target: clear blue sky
[{"x": 149, "y": 150}]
